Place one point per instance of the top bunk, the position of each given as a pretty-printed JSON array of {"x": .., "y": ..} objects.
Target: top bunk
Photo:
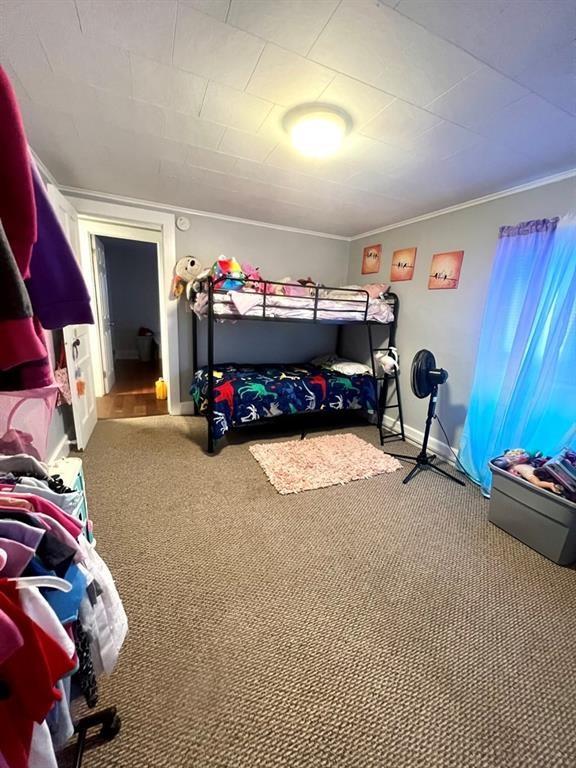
[{"x": 222, "y": 298}]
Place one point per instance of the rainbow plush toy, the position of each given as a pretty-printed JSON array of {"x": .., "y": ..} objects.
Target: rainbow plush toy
[{"x": 231, "y": 271}]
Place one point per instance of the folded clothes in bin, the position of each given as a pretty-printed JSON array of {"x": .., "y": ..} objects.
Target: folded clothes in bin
[
  {"x": 557, "y": 475},
  {"x": 544, "y": 520},
  {"x": 563, "y": 469}
]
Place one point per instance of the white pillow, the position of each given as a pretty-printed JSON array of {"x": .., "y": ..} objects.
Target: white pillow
[
  {"x": 340, "y": 365},
  {"x": 350, "y": 368}
]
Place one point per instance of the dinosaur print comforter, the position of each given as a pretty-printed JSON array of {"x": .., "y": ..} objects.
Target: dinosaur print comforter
[{"x": 245, "y": 393}]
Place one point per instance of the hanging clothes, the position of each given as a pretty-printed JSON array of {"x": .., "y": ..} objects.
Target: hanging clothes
[
  {"x": 29, "y": 676},
  {"x": 20, "y": 342},
  {"x": 42, "y": 284},
  {"x": 52, "y": 643},
  {"x": 17, "y": 207},
  {"x": 24, "y": 363},
  {"x": 56, "y": 286}
]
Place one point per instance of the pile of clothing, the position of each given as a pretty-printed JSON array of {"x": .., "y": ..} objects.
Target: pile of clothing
[
  {"x": 555, "y": 474},
  {"x": 62, "y": 622},
  {"x": 42, "y": 285}
]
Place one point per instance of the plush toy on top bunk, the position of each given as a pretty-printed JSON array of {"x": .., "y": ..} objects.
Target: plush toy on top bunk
[
  {"x": 187, "y": 270},
  {"x": 228, "y": 273},
  {"x": 254, "y": 280}
]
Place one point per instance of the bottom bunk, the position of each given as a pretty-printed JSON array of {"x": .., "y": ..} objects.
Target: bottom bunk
[{"x": 250, "y": 393}]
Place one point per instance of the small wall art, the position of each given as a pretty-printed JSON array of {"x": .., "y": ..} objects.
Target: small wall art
[
  {"x": 403, "y": 264},
  {"x": 445, "y": 270},
  {"x": 371, "y": 259}
]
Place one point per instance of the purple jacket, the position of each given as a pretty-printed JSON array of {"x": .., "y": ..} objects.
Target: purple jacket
[{"x": 56, "y": 286}]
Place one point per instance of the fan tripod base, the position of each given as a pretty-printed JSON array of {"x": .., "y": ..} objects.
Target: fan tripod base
[{"x": 424, "y": 461}]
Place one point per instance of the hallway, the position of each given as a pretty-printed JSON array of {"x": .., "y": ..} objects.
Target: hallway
[{"x": 133, "y": 393}]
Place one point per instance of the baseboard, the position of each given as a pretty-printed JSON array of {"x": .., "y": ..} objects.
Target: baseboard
[
  {"x": 416, "y": 437},
  {"x": 61, "y": 450}
]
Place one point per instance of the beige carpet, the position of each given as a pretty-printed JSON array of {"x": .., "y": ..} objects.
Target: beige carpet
[{"x": 369, "y": 625}]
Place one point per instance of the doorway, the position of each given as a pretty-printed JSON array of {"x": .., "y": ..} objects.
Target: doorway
[
  {"x": 126, "y": 274},
  {"x": 127, "y": 335}
]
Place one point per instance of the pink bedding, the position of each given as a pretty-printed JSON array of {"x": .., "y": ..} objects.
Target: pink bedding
[{"x": 329, "y": 309}]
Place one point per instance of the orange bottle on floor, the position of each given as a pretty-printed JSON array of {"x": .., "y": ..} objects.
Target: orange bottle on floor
[{"x": 161, "y": 389}]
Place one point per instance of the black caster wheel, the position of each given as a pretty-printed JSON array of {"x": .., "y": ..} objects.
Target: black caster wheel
[{"x": 111, "y": 729}]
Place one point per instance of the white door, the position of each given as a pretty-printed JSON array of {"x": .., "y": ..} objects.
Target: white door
[
  {"x": 104, "y": 320},
  {"x": 76, "y": 337}
]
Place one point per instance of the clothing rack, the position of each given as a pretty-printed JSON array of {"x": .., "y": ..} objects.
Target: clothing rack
[
  {"x": 109, "y": 722},
  {"x": 320, "y": 314},
  {"x": 41, "y": 488}
]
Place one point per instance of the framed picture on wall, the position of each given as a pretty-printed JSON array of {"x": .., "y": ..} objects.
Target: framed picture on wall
[
  {"x": 371, "y": 259},
  {"x": 445, "y": 270},
  {"x": 403, "y": 265}
]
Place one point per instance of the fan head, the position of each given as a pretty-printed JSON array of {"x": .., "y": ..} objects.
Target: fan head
[{"x": 425, "y": 376}]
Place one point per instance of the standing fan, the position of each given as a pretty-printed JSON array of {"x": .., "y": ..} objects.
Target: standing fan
[{"x": 425, "y": 378}]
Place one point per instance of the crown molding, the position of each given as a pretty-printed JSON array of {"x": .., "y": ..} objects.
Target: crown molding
[
  {"x": 470, "y": 203},
  {"x": 110, "y": 198},
  {"x": 43, "y": 168}
]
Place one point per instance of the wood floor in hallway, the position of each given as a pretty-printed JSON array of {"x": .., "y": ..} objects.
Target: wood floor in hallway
[{"x": 133, "y": 393}]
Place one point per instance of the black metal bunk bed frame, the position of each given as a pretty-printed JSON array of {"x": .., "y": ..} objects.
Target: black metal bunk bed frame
[{"x": 382, "y": 404}]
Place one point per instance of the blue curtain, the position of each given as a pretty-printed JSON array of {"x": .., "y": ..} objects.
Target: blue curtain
[{"x": 524, "y": 389}]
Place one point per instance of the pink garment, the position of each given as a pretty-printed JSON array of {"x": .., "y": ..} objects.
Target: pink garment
[
  {"x": 71, "y": 524},
  {"x": 21, "y": 504},
  {"x": 10, "y": 639},
  {"x": 16, "y": 441},
  {"x": 17, "y": 206},
  {"x": 31, "y": 367},
  {"x": 19, "y": 555}
]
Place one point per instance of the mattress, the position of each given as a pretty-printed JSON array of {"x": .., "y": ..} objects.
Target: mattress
[
  {"x": 247, "y": 393},
  {"x": 336, "y": 310}
]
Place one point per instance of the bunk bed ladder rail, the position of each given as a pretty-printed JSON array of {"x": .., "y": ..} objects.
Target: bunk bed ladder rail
[
  {"x": 383, "y": 382},
  {"x": 210, "y": 408}
]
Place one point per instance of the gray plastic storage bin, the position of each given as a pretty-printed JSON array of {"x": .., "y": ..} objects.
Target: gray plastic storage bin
[{"x": 538, "y": 518}]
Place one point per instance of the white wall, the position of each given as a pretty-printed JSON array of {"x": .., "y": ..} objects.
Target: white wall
[
  {"x": 448, "y": 322},
  {"x": 279, "y": 254},
  {"x": 132, "y": 272}
]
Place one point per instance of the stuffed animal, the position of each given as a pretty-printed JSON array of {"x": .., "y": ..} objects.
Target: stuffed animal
[
  {"x": 511, "y": 458},
  {"x": 304, "y": 287},
  {"x": 186, "y": 272},
  {"x": 389, "y": 361},
  {"x": 253, "y": 277},
  {"x": 228, "y": 273},
  {"x": 528, "y": 472},
  {"x": 290, "y": 287}
]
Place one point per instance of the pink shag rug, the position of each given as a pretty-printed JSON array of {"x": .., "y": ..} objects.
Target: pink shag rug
[{"x": 317, "y": 462}]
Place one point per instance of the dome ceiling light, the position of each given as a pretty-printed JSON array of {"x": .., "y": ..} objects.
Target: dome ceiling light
[{"x": 317, "y": 130}]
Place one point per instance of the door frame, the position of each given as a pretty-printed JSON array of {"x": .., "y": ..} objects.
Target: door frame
[{"x": 107, "y": 219}]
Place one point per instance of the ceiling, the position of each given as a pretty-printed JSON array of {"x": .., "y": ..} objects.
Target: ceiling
[{"x": 180, "y": 101}]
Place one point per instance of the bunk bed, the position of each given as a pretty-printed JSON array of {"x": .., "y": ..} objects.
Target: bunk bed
[{"x": 232, "y": 396}]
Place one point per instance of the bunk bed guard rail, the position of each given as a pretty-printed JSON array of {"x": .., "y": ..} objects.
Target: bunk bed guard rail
[{"x": 320, "y": 295}]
